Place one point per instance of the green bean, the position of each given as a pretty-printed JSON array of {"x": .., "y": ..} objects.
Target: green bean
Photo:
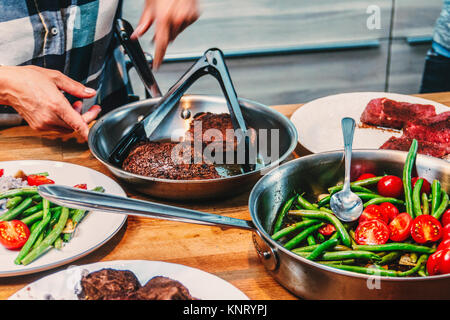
[
  {"x": 423, "y": 258},
  {"x": 36, "y": 198},
  {"x": 359, "y": 183},
  {"x": 12, "y": 202},
  {"x": 425, "y": 206},
  {"x": 287, "y": 205},
  {"x": 333, "y": 262},
  {"x": 396, "y": 246},
  {"x": 383, "y": 199},
  {"x": 320, "y": 237},
  {"x": 26, "y": 191},
  {"x": 58, "y": 243},
  {"x": 422, "y": 271},
  {"x": 45, "y": 174},
  {"x": 388, "y": 258},
  {"x": 11, "y": 214},
  {"x": 35, "y": 234},
  {"x": 34, "y": 225},
  {"x": 38, "y": 216},
  {"x": 357, "y": 189},
  {"x": 442, "y": 207},
  {"x": 367, "y": 196},
  {"x": 413, "y": 256},
  {"x": 285, "y": 231},
  {"x": 364, "y": 270},
  {"x": 416, "y": 208},
  {"x": 38, "y": 240},
  {"x": 342, "y": 255},
  {"x": 313, "y": 214},
  {"x": 321, "y": 248},
  {"x": 407, "y": 169},
  {"x": 338, "y": 247},
  {"x": 32, "y": 210},
  {"x": 305, "y": 203},
  {"x": 436, "y": 196},
  {"x": 302, "y": 236},
  {"x": 48, "y": 240},
  {"x": 311, "y": 241}
]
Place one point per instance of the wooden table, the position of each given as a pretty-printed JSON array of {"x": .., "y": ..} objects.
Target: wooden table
[{"x": 228, "y": 254}]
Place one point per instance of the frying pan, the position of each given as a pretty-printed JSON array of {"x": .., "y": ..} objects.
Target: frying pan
[
  {"x": 110, "y": 131},
  {"x": 311, "y": 174}
]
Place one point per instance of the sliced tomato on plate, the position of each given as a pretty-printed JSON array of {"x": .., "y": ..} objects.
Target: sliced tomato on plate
[
  {"x": 373, "y": 212},
  {"x": 426, "y": 228},
  {"x": 439, "y": 262},
  {"x": 327, "y": 230},
  {"x": 372, "y": 232},
  {"x": 81, "y": 186},
  {"x": 13, "y": 234},
  {"x": 37, "y": 180},
  {"x": 400, "y": 227},
  {"x": 389, "y": 211},
  {"x": 390, "y": 186}
]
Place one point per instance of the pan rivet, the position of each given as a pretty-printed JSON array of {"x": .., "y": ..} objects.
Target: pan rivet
[
  {"x": 140, "y": 118},
  {"x": 186, "y": 114}
]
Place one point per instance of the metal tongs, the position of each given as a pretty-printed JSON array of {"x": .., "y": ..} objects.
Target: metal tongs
[{"x": 212, "y": 62}]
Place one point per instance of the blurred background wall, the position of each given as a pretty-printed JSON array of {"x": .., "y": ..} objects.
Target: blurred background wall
[{"x": 291, "y": 51}]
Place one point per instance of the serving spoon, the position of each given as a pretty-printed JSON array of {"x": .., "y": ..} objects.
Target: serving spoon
[{"x": 345, "y": 204}]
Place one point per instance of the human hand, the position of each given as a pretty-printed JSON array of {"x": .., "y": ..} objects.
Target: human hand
[
  {"x": 171, "y": 17},
  {"x": 35, "y": 93}
]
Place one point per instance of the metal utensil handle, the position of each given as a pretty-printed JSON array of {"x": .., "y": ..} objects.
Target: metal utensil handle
[
  {"x": 134, "y": 50},
  {"x": 89, "y": 200},
  {"x": 348, "y": 129}
]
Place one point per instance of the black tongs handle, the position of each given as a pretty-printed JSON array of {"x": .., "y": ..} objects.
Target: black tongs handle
[{"x": 134, "y": 50}]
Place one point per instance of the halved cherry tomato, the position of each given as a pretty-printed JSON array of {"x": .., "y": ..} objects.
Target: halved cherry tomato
[
  {"x": 446, "y": 232},
  {"x": 439, "y": 262},
  {"x": 400, "y": 227},
  {"x": 445, "y": 244},
  {"x": 426, "y": 228},
  {"x": 36, "y": 180},
  {"x": 426, "y": 186},
  {"x": 81, "y": 186},
  {"x": 365, "y": 176},
  {"x": 445, "y": 220},
  {"x": 373, "y": 212},
  {"x": 372, "y": 232},
  {"x": 327, "y": 230},
  {"x": 390, "y": 186},
  {"x": 13, "y": 234},
  {"x": 2, "y": 171},
  {"x": 389, "y": 210}
]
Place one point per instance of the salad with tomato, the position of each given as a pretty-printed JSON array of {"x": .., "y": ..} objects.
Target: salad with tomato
[
  {"x": 30, "y": 224},
  {"x": 403, "y": 231}
]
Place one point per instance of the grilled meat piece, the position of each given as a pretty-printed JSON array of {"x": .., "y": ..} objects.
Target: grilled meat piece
[
  {"x": 163, "y": 288},
  {"x": 403, "y": 143},
  {"x": 154, "y": 159},
  {"x": 435, "y": 129},
  {"x": 388, "y": 113},
  {"x": 108, "y": 284}
]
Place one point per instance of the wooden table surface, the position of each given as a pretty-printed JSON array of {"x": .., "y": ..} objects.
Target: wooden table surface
[{"x": 229, "y": 254}]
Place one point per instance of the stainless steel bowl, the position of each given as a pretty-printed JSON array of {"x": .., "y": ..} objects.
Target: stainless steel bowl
[
  {"x": 313, "y": 174},
  {"x": 108, "y": 130}
]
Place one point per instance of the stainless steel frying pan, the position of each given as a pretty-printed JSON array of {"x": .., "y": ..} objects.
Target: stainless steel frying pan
[
  {"x": 311, "y": 174},
  {"x": 108, "y": 132}
]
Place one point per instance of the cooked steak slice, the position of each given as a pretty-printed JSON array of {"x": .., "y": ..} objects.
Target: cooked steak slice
[
  {"x": 163, "y": 288},
  {"x": 154, "y": 159},
  {"x": 434, "y": 129},
  {"x": 108, "y": 284},
  {"x": 388, "y": 113},
  {"x": 428, "y": 148}
]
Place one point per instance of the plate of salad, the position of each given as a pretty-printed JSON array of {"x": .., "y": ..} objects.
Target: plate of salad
[{"x": 37, "y": 235}]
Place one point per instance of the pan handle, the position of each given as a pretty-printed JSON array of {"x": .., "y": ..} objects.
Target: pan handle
[{"x": 90, "y": 200}]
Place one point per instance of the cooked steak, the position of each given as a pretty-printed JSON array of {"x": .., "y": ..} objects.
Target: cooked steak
[
  {"x": 434, "y": 129},
  {"x": 388, "y": 113},
  {"x": 154, "y": 159},
  {"x": 163, "y": 288},
  {"x": 108, "y": 284},
  {"x": 403, "y": 143}
]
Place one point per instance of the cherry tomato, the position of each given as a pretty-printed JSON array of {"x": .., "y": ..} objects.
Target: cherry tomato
[
  {"x": 389, "y": 210},
  {"x": 446, "y": 232},
  {"x": 1, "y": 172},
  {"x": 426, "y": 186},
  {"x": 13, "y": 234},
  {"x": 36, "y": 180},
  {"x": 390, "y": 186},
  {"x": 81, "y": 186},
  {"x": 373, "y": 212},
  {"x": 445, "y": 244},
  {"x": 365, "y": 176},
  {"x": 426, "y": 228},
  {"x": 439, "y": 262},
  {"x": 445, "y": 220},
  {"x": 400, "y": 227},
  {"x": 372, "y": 232},
  {"x": 327, "y": 230}
]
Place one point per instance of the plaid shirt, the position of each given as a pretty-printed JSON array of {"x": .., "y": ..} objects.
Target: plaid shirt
[{"x": 73, "y": 36}]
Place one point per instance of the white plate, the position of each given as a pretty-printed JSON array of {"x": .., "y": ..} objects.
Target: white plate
[
  {"x": 318, "y": 122},
  {"x": 64, "y": 284},
  {"x": 95, "y": 229}
]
